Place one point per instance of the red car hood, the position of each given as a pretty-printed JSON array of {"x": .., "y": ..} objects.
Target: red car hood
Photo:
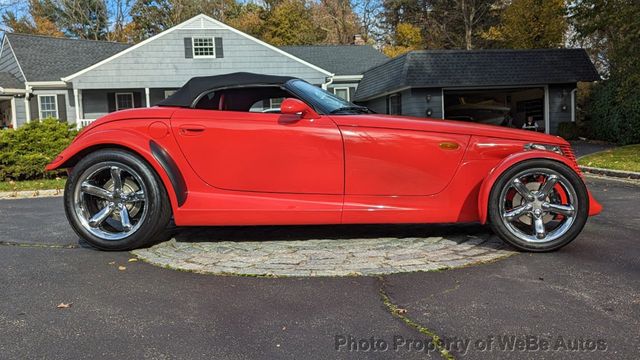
[{"x": 444, "y": 126}]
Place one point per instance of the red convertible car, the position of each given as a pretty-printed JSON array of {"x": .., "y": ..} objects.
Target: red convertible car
[{"x": 211, "y": 155}]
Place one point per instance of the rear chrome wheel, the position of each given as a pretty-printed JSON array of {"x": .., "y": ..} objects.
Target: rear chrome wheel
[
  {"x": 538, "y": 208},
  {"x": 115, "y": 201}
]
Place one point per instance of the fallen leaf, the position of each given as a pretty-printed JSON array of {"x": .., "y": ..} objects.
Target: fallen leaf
[
  {"x": 133, "y": 260},
  {"x": 401, "y": 311},
  {"x": 284, "y": 328},
  {"x": 112, "y": 263},
  {"x": 64, "y": 306},
  {"x": 122, "y": 268}
]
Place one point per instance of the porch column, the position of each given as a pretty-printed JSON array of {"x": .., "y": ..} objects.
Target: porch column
[
  {"x": 27, "y": 109},
  {"x": 14, "y": 114},
  {"x": 76, "y": 101},
  {"x": 146, "y": 96}
]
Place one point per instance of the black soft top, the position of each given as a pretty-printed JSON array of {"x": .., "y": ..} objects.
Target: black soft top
[{"x": 190, "y": 91}]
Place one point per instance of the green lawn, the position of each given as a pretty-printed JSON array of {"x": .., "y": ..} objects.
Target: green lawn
[
  {"x": 32, "y": 185},
  {"x": 622, "y": 158}
]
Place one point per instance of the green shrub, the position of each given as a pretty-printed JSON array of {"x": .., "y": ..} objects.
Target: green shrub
[
  {"x": 568, "y": 130},
  {"x": 25, "y": 152},
  {"x": 614, "y": 113}
]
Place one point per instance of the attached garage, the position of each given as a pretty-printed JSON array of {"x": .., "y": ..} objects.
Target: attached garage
[{"x": 530, "y": 89}]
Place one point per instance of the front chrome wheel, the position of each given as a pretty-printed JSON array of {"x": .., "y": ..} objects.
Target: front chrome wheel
[
  {"x": 110, "y": 200},
  {"x": 538, "y": 205}
]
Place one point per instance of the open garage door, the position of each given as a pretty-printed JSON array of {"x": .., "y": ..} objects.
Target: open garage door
[{"x": 522, "y": 108}]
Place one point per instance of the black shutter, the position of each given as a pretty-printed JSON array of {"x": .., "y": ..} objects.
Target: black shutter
[
  {"x": 219, "y": 50},
  {"x": 33, "y": 107},
  {"x": 188, "y": 48},
  {"x": 137, "y": 99},
  {"x": 62, "y": 108},
  {"x": 111, "y": 101},
  {"x": 352, "y": 93},
  {"x": 399, "y": 110}
]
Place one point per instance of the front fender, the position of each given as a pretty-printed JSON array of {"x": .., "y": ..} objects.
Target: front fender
[
  {"x": 509, "y": 161},
  {"x": 133, "y": 141}
]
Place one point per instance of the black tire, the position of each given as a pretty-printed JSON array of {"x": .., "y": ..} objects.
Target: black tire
[
  {"x": 152, "y": 228},
  {"x": 553, "y": 167}
]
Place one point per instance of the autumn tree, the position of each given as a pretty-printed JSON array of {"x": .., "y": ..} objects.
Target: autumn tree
[
  {"x": 407, "y": 37},
  {"x": 448, "y": 24},
  {"x": 530, "y": 24},
  {"x": 41, "y": 19},
  {"x": 290, "y": 23}
]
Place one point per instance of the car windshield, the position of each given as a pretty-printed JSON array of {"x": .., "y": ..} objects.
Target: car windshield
[{"x": 324, "y": 100}]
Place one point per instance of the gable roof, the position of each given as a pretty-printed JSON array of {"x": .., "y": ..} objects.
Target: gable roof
[
  {"x": 473, "y": 68},
  {"x": 45, "y": 58},
  {"x": 8, "y": 81},
  {"x": 339, "y": 59},
  {"x": 200, "y": 21}
]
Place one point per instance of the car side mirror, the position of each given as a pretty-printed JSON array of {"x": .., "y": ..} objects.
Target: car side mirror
[{"x": 295, "y": 106}]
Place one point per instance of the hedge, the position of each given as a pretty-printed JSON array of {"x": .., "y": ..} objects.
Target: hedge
[
  {"x": 614, "y": 113},
  {"x": 25, "y": 152}
]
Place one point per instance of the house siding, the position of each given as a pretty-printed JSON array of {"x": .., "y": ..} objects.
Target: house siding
[
  {"x": 556, "y": 100},
  {"x": 172, "y": 69},
  {"x": 414, "y": 102},
  {"x": 21, "y": 115},
  {"x": 8, "y": 62}
]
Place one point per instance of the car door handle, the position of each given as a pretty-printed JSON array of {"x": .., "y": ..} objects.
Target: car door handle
[{"x": 191, "y": 130}]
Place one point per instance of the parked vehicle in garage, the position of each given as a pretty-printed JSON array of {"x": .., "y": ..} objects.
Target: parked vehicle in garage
[{"x": 202, "y": 158}]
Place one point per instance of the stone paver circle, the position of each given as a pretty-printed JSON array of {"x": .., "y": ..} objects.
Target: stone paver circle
[{"x": 326, "y": 257}]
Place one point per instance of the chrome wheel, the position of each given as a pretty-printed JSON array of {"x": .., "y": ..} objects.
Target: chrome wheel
[
  {"x": 538, "y": 205},
  {"x": 110, "y": 200}
]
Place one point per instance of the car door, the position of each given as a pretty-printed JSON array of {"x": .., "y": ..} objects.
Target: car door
[
  {"x": 385, "y": 161},
  {"x": 262, "y": 152}
]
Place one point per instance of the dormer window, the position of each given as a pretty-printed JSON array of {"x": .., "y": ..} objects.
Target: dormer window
[{"x": 203, "y": 47}]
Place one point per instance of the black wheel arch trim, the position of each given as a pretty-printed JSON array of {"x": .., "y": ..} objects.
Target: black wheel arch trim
[{"x": 171, "y": 168}]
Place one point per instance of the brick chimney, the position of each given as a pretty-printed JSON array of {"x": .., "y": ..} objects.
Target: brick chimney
[{"x": 358, "y": 40}]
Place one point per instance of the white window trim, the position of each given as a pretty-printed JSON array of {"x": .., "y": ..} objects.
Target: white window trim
[
  {"x": 193, "y": 47},
  {"x": 342, "y": 88},
  {"x": 55, "y": 100},
  {"x": 133, "y": 104}
]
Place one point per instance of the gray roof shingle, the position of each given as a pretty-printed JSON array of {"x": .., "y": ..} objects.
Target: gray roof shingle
[
  {"x": 467, "y": 68},
  {"x": 339, "y": 59},
  {"x": 8, "y": 81},
  {"x": 44, "y": 58}
]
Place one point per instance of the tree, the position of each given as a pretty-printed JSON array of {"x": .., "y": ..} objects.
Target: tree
[
  {"x": 154, "y": 16},
  {"x": 84, "y": 19},
  {"x": 41, "y": 19},
  {"x": 448, "y": 24},
  {"x": 337, "y": 19},
  {"x": 531, "y": 24},
  {"x": 290, "y": 23},
  {"x": 611, "y": 28},
  {"x": 407, "y": 38}
]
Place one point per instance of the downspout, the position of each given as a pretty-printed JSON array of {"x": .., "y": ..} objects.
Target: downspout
[{"x": 329, "y": 82}]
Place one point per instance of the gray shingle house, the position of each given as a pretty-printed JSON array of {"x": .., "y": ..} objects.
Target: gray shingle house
[
  {"x": 502, "y": 87},
  {"x": 81, "y": 80}
]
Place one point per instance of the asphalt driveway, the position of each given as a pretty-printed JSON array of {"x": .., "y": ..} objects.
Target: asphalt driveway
[{"x": 587, "y": 292}]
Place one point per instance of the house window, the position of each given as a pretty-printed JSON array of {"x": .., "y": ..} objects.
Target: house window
[
  {"x": 393, "y": 104},
  {"x": 168, "y": 93},
  {"x": 275, "y": 103},
  {"x": 342, "y": 92},
  {"x": 203, "y": 47},
  {"x": 124, "y": 101},
  {"x": 48, "y": 105}
]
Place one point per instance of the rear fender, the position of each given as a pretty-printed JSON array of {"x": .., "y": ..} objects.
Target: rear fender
[
  {"x": 127, "y": 140},
  {"x": 506, "y": 163}
]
